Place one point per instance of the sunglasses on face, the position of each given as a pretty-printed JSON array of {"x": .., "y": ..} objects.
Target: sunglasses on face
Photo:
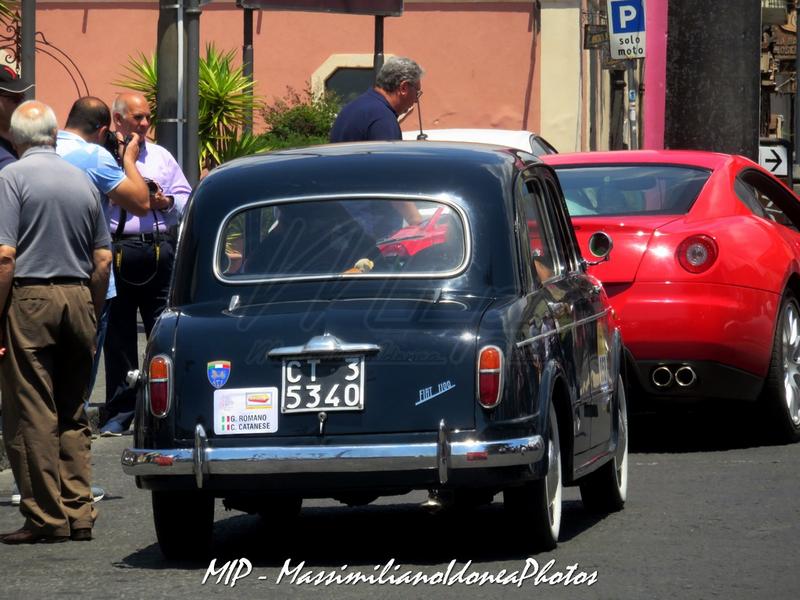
[{"x": 416, "y": 89}]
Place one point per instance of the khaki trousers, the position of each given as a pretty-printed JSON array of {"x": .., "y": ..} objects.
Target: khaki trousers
[{"x": 49, "y": 337}]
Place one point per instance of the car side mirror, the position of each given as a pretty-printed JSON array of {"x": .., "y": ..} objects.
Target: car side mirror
[{"x": 600, "y": 245}]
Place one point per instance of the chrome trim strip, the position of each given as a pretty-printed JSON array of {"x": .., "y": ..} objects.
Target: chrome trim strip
[
  {"x": 268, "y": 460},
  {"x": 446, "y": 199},
  {"x": 536, "y": 338},
  {"x": 443, "y": 453},
  {"x": 594, "y": 317},
  {"x": 559, "y": 329},
  {"x": 199, "y": 455}
]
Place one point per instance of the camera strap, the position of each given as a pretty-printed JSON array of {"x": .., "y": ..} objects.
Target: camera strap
[
  {"x": 123, "y": 216},
  {"x": 119, "y": 236}
]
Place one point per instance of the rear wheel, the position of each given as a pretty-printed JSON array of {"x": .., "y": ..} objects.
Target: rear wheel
[
  {"x": 184, "y": 523},
  {"x": 781, "y": 395},
  {"x": 606, "y": 489},
  {"x": 537, "y": 504}
]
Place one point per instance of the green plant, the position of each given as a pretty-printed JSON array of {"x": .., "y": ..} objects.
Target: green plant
[
  {"x": 226, "y": 100},
  {"x": 141, "y": 75},
  {"x": 300, "y": 119},
  {"x": 8, "y": 8}
]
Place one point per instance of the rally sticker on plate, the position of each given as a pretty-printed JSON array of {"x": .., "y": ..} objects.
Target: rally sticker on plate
[{"x": 246, "y": 410}]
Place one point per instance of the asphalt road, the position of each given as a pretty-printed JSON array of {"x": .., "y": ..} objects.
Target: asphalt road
[{"x": 709, "y": 516}]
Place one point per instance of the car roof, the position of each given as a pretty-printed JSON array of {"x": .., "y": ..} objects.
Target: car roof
[
  {"x": 696, "y": 158},
  {"x": 501, "y": 137},
  {"x": 399, "y": 151},
  {"x": 363, "y": 167}
]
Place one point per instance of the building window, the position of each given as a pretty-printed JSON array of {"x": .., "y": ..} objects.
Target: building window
[
  {"x": 348, "y": 82},
  {"x": 349, "y": 75}
]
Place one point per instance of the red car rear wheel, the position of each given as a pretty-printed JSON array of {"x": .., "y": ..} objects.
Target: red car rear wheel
[{"x": 781, "y": 394}]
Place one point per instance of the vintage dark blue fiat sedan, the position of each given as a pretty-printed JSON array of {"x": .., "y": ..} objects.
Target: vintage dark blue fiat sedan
[{"x": 360, "y": 320}]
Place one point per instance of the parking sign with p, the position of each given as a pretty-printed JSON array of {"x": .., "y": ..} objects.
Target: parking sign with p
[{"x": 626, "y": 28}]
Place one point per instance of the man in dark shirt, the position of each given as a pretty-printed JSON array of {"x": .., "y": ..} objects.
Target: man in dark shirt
[
  {"x": 12, "y": 90},
  {"x": 373, "y": 116}
]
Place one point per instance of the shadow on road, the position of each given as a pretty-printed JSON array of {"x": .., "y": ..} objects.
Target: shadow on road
[
  {"x": 368, "y": 536},
  {"x": 698, "y": 428}
]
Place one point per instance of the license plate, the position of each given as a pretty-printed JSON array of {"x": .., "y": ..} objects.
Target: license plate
[{"x": 322, "y": 384}]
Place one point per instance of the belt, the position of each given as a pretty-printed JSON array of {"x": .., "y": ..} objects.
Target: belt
[
  {"x": 23, "y": 281},
  {"x": 146, "y": 237}
]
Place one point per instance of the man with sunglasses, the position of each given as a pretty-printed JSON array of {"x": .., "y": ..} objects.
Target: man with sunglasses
[
  {"x": 373, "y": 115},
  {"x": 12, "y": 93}
]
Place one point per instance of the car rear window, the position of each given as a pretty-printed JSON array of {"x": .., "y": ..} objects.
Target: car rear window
[
  {"x": 631, "y": 189},
  {"x": 320, "y": 238}
]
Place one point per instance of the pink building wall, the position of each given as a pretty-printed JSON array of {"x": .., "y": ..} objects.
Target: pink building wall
[
  {"x": 655, "y": 75},
  {"x": 480, "y": 58}
]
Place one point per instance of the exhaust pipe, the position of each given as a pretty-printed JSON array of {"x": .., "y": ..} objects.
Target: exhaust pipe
[
  {"x": 685, "y": 376},
  {"x": 661, "y": 377}
]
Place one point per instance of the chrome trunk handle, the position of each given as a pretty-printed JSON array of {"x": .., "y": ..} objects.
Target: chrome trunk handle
[{"x": 326, "y": 345}]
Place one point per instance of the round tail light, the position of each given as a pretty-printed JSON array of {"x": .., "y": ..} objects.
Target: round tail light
[
  {"x": 697, "y": 253},
  {"x": 490, "y": 376}
]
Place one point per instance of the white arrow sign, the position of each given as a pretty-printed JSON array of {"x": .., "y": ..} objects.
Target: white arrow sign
[{"x": 775, "y": 159}]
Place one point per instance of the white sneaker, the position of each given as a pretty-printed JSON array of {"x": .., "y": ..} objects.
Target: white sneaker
[{"x": 98, "y": 493}]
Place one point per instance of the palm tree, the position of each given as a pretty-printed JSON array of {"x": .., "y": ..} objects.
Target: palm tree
[
  {"x": 226, "y": 101},
  {"x": 7, "y": 9}
]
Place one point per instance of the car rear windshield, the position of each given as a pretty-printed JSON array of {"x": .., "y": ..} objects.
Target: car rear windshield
[
  {"x": 364, "y": 237},
  {"x": 631, "y": 189}
]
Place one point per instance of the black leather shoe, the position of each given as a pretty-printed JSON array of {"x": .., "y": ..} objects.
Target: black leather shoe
[
  {"x": 26, "y": 536},
  {"x": 81, "y": 535}
]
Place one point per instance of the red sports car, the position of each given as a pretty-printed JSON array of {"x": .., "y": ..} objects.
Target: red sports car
[
  {"x": 411, "y": 239},
  {"x": 704, "y": 275}
]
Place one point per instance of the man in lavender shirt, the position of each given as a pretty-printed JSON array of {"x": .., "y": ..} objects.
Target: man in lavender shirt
[{"x": 144, "y": 247}]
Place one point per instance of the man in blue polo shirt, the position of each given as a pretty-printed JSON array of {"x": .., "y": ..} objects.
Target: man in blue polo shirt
[
  {"x": 373, "y": 116},
  {"x": 81, "y": 143}
]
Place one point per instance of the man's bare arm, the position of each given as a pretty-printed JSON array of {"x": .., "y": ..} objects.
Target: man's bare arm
[
  {"x": 98, "y": 284},
  {"x": 410, "y": 213},
  {"x": 8, "y": 257}
]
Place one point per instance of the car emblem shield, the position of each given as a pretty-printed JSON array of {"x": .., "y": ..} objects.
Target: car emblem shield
[{"x": 218, "y": 372}]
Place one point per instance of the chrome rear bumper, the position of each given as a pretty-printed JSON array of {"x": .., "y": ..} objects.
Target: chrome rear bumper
[{"x": 204, "y": 460}]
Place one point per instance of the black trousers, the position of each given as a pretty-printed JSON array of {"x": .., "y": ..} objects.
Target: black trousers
[{"x": 142, "y": 277}]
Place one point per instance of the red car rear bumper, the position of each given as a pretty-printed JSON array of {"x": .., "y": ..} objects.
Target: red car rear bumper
[{"x": 728, "y": 325}]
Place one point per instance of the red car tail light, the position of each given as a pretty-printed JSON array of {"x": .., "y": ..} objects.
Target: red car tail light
[
  {"x": 490, "y": 376},
  {"x": 159, "y": 384},
  {"x": 697, "y": 253},
  {"x": 394, "y": 250}
]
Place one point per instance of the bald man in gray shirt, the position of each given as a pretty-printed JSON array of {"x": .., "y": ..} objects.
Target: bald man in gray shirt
[{"x": 54, "y": 265}]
